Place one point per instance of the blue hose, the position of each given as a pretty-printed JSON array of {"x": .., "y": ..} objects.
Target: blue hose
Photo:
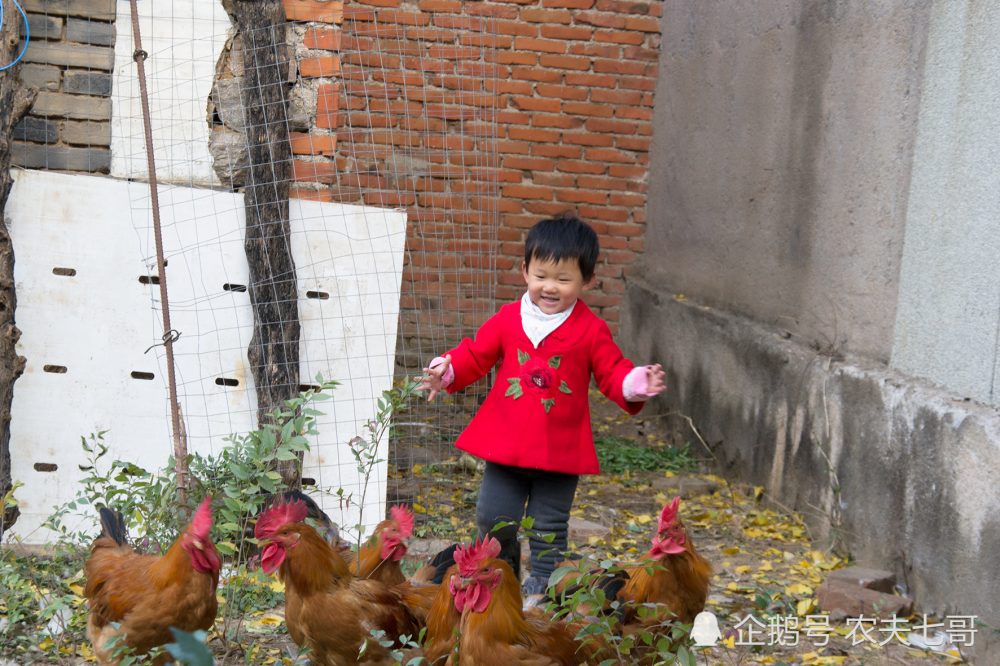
[{"x": 27, "y": 35}]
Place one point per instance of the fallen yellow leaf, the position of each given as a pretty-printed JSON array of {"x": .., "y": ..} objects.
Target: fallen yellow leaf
[
  {"x": 419, "y": 509},
  {"x": 743, "y": 569},
  {"x": 766, "y": 567},
  {"x": 644, "y": 518},
  {"x": 670, "y": 474},
  {"x": 803, "y": 607},
  {"x": 731, "y": 551}
]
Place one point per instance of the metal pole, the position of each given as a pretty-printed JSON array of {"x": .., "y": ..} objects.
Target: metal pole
[{"x": 169, "y": 335}]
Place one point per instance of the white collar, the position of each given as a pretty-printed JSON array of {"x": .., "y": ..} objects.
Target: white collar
[{"x": 537, "y": 324}]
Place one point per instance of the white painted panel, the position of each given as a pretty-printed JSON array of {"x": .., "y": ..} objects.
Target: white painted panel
[
  {"x": 98, "y": 323},
  {"x": 184, "y": 39}
]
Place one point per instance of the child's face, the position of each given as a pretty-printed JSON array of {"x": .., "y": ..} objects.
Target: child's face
[{"x": 554, "y": 286}]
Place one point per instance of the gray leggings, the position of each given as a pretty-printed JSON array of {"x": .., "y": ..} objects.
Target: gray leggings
[{"x": 549, "y": 496}]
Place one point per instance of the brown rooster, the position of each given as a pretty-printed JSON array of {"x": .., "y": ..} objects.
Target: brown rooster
[
  {"x": 147, "y": 594},
  {"x": 381, "y": 554},
  {"x": 674, "y": 574},
  {"x": 442, "y": 622},
  {"x": 326, "y": 607},
  {"x": 494, "y": 630}
]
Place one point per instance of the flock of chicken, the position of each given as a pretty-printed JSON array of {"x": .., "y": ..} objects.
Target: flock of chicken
[{"x": 466, "y": 599}]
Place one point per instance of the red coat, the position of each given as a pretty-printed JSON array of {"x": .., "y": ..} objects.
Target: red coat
[{"x": 538, "y": 414}]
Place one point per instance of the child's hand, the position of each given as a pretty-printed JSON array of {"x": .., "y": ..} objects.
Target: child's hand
[
  {"x": 432, "y": 378},
  {"x": 654, "y": 379}
]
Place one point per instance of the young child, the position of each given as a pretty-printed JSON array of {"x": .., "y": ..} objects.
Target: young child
[{"x": 534, "y": 428}]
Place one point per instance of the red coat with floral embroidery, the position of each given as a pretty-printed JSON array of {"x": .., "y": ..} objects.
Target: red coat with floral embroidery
[{"x": 537, "y": 414}]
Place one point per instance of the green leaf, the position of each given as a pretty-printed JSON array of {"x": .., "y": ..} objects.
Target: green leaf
[
  {"x": 514, "y": 389},
  {"x": 548, "y": 404},
  {"x": 190, "y": 649},
  {"x": 555, "y": 361},
  {"x": 528, "y": 522},
  {"x": 522, "y": 357},
  {"x": 564, "y": 387}
]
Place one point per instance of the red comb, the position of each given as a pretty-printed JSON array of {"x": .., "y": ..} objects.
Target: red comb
[
  {"x": 404, "y": 516},
  {"x": 201, "y": 523},
  {"x": 280, "y": 514},
  {"x": 668, "y": 515},
  {"x": 471, "y": 556}
]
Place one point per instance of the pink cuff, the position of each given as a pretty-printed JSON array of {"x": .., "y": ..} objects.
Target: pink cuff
[
  {"x": 449, "y": 375},
  {"x": 635, "y": 386}
]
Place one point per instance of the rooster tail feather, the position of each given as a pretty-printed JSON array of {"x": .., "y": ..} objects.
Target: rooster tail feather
[
  {"x": 113, "y": 525},
  {"x": 330, "y": 532}
]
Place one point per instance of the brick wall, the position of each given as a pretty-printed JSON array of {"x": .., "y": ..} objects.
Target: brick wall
[
  {"x": 69, "y": 60},
  {"x": 523, "y": 109}
]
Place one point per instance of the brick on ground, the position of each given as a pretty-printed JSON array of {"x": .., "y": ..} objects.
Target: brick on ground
[
  {"x": 853, "y": 601},
  {"x": 872, "y": 579},
  {"x": 582, "y": 530}
]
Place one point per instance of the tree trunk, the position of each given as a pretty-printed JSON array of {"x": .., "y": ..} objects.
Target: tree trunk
[
  {"x": 274, "y": 347},
  {"x": 14, "y": 102}
]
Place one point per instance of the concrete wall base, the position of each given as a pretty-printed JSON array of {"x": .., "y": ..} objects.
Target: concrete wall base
[{"x": 901, "y": 473}]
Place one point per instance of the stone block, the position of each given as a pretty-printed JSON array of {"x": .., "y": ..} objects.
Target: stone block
[
  {"x": 582, "y": 530},
  {"x": 40, "y": 77},
  {"x": 90, "y": 32},
  {"x": 837, "y": 595},
  {"x": 34, "y": 156},
  {"x": 37, "y": 130},
  {"x": 76, "y": 107},
  {"x": 86, "y": 133},
  {"x": 685, "y": 486},
  {"x": 87, "y": 83},
  {"x": 103, "y": 10},
  {"x": 70, "y": 55},
  {"x": 43, "y": 27},
  {"x": 873, "y": 579},
  {"x": 228, "y": 104},
  {"x": 229, "y": 157}
]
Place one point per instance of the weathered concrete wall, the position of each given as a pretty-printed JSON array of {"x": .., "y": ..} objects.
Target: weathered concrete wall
[
  {"x": 919, "y": 470},
  {"x": 949, "y": 295},
  {"x": 783, "y": 137}
]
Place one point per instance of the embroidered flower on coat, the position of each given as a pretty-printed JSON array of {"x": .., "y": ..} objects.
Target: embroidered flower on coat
[{"x": 538, "y": 378}]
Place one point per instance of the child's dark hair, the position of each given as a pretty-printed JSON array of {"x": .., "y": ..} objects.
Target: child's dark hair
[{"x": 564, "y": 237}]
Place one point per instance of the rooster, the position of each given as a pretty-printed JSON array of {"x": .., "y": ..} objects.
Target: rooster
[
  {"x": 494, "y": 630},
  {"x": 381, "y": 554},
  {"x": 326, "y": 607},
  {"x": 677, "y": 576},
  {"x": 442, "y": 622},
  {"x": 141, "y": 596}
]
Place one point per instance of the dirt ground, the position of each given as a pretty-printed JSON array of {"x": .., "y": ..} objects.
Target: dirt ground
[{"x": 761, "y": 557}]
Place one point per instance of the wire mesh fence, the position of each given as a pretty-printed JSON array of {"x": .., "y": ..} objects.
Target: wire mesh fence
[{"x": 386, "y": 147}]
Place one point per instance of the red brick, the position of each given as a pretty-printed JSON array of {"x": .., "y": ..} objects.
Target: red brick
[
  {"x": 513, "y": 118},
  {"x": 595, "y": 50},
  {"x": 327, "y": 102},
  {"x": 516, "y": 29},
  {"x": 562, "y": 92},
  {"x": 621, "y": 258},
  {"x": 642, "y": 24},
  {"x": 353, "y": 14},
  {"x": 564, "y": 62},
  {"x": 533, "y": 104},
  {"x": 600, "y": 20},
  {"x": 531, "y": 74},
  {"x": 596, "y": 110},
  {"x": 311, "y": 10},
  {"x": 568, "y": 166},
  {"x": 489, "y": 41},
  {"x": 514, "y": 58},
  {"x": 562, "y": 122},
  {"x": 616, "y": 37},
  {"x": 534, "y": 135},
  {"x": 615, "y": 126},
  {"x": 314, "y": 172},
  {"x": 569, "y": 4},
  {"x": 453, "y": 53},
  {"x": 440, "y": 6},
  {"x": 450, "y": 113},
  {"x": 633, "y": 53},
  {"x": 634, "y": 143},
  {"x": 590, "y": 80},
  {"x": 582, "y": 196},
  {"x": 542, "y": 45},
  {"x": 370, "y": 59},
  {"x": 404, "y": 18},
  {"x": 609, "y": 155},
  {"x": 644, "y": 129},
  {"x": 327, "y": 40},
  {"x": 483, "y": 70},
  {"x": 636, "y": 244},
  {"x": 513, "y": 87},
  {"x": 632, "y": 83},
  {"x": 529, "y": 163},
  {"x": 428, "y": 65},
  {"x": 611, "y": 214},
  {"x": 589, "y": 139},
  {"x": 618, "y": 67},
  {"x": 563, "y": 16},
  {"x": 542, "y": 150},
  {"x": 633, "y": 114},
  {"x": 623, "y": 7},
  {"x": 593, "y": 183},
  {"x": 527, "y": 192},
  {"x": 647, "y": 99},
  {"x": 616, "y": 97},
  {"x": 565, "y": 32},
  {"x": 554, "y": 179},
  {"x": 546, "y": 208},
  {"x": 313, "y": 144},
  {"x": 623, "y": 199},
  {"x": 491, "y": 10},
  {"x": 629, "y": 230},
  {"x": 371, "y": 30},
  {"x": 392, "y": 4},
  {"x": 639, "y": 216},
  {"x": 621, "y": 171},
  {"x": 515, "y": 147},
  {"x": 316, "y": 67},
  {"x": 450, "y": 142}
]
